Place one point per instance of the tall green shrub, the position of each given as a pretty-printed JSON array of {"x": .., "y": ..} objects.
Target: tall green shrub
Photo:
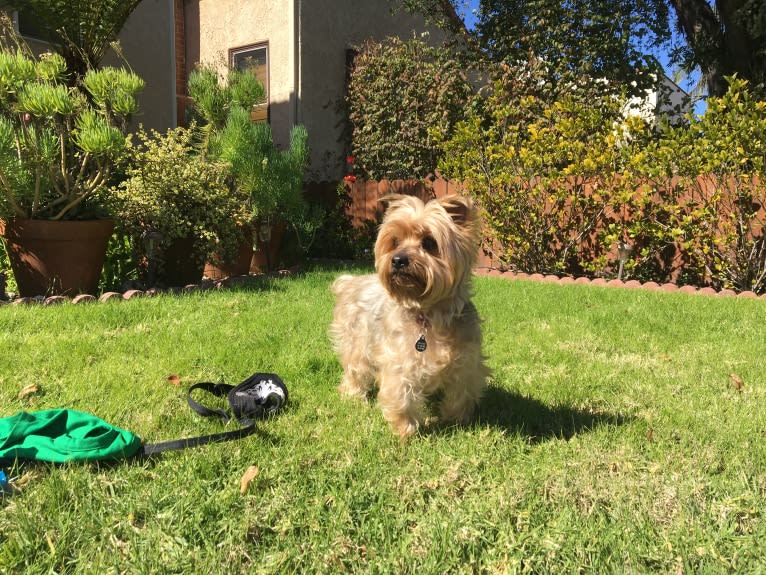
[
  {"x": 399, "y": 93},
  {"x": 269, "y": 179},
  {"x": 536, "y": 163},
  {"x": 714, "y": 174},
  {"x": 171, "y": 190},
  {"x": 563, "y": 180}
]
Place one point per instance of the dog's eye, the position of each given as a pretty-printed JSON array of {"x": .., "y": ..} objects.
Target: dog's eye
[
  {"x": 429, "y": 245},
  {"x": 395, "y": 243}
]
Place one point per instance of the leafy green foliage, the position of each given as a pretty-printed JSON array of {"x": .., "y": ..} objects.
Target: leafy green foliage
[
  {"x": 268, "y": 179},
  {"x": 120, "y": 266},
  {"x": 398, "y": 92},
  {"x": 611, "y": 39},
  {"x": 170, "y": 189},
  {"x": 80, "y": 30},
  {"x": 537, "y": 167},
  {"x": 563, "y": 182},
  {"x": 715, "y": 169},
  {"x": 58, "y": 144},
  {"x": 212, "y": 100},
  {"x": 112, "y": 90},
  {"x": 604, "y": 40},
  {"x": 338, "y": 238}
]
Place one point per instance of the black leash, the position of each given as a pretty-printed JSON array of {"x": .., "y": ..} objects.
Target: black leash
[{"x": 260, "y": 395}]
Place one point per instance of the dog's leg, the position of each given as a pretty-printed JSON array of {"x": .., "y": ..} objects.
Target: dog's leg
[
  {"x": 401, "y": 405},
  {"x": 355, "y": 384},
  {"x": 462, "y": 392},
  {"x": 358, "y": 373}
]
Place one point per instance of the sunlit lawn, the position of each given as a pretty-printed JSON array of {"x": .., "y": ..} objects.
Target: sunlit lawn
[{"x": 612, "y": 439}]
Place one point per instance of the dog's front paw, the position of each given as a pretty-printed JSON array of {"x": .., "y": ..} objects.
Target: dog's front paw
[
  {"x": 354, "y": 387},
  {"x": 404, "y": 426},
  {"x": 460, "y": 413}
]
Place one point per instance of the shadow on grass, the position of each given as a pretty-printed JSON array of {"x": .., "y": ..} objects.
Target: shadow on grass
[{"x": 527, "y": 416}]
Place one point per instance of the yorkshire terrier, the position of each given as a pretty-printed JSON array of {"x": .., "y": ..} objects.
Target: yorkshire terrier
[{"x": 411, "y": 329}]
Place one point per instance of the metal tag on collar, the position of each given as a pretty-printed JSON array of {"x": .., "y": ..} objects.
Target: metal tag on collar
[{"x": 421, "y": 344}]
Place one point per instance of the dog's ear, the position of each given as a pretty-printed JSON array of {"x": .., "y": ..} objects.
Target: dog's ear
[
  {"x": 389, "y": 199},
  {"x": 459, "y": 208}
]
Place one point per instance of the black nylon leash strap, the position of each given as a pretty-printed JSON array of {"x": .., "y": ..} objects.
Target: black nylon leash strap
[
  {"x": 260, "y": 395},
  {"x": 176, "y": 444}
]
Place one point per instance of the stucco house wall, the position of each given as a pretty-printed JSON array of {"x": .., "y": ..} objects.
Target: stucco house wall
[
  {"x": 307, "y": 43},
  {"x": 146, "y": 44},
  {"x": 307, "y": 40}
]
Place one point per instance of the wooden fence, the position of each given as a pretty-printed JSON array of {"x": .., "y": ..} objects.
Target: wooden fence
[
  {"x": 364, "y": 200},
  {"x": 364, "y": 207}
]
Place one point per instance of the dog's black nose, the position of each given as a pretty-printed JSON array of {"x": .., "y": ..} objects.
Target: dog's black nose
[{"x": 400, "y": 261}]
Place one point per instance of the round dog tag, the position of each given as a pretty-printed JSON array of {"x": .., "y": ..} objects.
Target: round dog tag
[{"x": 421, "y": 344}]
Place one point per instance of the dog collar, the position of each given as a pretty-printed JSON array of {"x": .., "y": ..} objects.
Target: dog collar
[{"x": 422, "y": 344}]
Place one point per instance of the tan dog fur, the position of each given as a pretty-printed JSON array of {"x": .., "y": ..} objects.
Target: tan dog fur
[{"x": 424, "y": 255}]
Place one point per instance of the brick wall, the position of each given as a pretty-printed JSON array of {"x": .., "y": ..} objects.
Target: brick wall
[{"x": 180, "y": 57}]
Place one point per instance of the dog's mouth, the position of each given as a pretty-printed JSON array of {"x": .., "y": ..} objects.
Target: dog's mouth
[
  {"x": 407, "y": 283},
  {"x": 405, "y": 277}
]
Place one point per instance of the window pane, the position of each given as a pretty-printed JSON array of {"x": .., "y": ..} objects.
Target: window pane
[
  {"x": 256, "y": 60},
  {"x": 30, "y": 27}
]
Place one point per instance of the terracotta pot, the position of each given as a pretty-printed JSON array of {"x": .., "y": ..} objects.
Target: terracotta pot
[
  {"x": 181, "y": 264},
  {"x": 56, "y": 257},
  {"x": 240, "y": 266},
  {"x": 260, "y": 262}
]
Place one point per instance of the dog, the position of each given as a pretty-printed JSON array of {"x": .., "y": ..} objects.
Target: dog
[{"x": 411, "y": 329}]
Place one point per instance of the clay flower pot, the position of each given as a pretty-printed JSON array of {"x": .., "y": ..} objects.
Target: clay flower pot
[{"x": 56, "y": 257}]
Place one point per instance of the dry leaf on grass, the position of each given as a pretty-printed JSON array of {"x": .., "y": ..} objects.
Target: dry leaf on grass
[
  {"x": 737, "y": 382},
  {"x": 174, "y": 380},
  {"x": 251, "y": 473},
  {"x": 28, "y": 390}
]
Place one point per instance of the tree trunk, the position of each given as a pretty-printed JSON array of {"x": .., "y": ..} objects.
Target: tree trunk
[{"x": 721, "y": 45}]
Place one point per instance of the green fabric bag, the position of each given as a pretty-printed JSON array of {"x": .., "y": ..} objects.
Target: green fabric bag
[{"x": 61, "y": 435}]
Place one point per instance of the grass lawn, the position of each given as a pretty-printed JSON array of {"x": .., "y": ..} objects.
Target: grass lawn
[{"x": 611, "y": 439}]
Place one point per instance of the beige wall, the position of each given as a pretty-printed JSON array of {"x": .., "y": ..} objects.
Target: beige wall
[
  {"x": 147, "y": 45},
  {"x": 307, "y": 40},
  {"x": 328, "y": 28}
]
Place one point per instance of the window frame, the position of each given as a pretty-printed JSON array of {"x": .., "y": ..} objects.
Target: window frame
[
  {"x": 17, "y": 17},
  {"x": 260, "y": 112}
]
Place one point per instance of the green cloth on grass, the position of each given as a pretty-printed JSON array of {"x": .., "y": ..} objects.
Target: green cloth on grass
[{"x": 61, "y": 435}]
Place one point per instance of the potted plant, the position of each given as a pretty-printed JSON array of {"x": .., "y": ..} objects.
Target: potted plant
[
  {"x": 176, "y": 206},
  {"x": 270, "y": 179},
  {"x": 58, "y": 147}
]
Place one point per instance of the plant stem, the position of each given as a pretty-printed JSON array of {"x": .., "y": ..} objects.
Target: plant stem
[{"x": 17, "y": 209}]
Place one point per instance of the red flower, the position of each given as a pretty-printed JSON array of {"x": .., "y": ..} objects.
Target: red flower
[
  {"x": 350, "y": 159},
  {"x": 350, "y": 178}
]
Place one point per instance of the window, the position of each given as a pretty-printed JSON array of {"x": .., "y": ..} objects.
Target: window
[
  {"x": 254, "y": 58},
  {"x": 27, "y": 25}
]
